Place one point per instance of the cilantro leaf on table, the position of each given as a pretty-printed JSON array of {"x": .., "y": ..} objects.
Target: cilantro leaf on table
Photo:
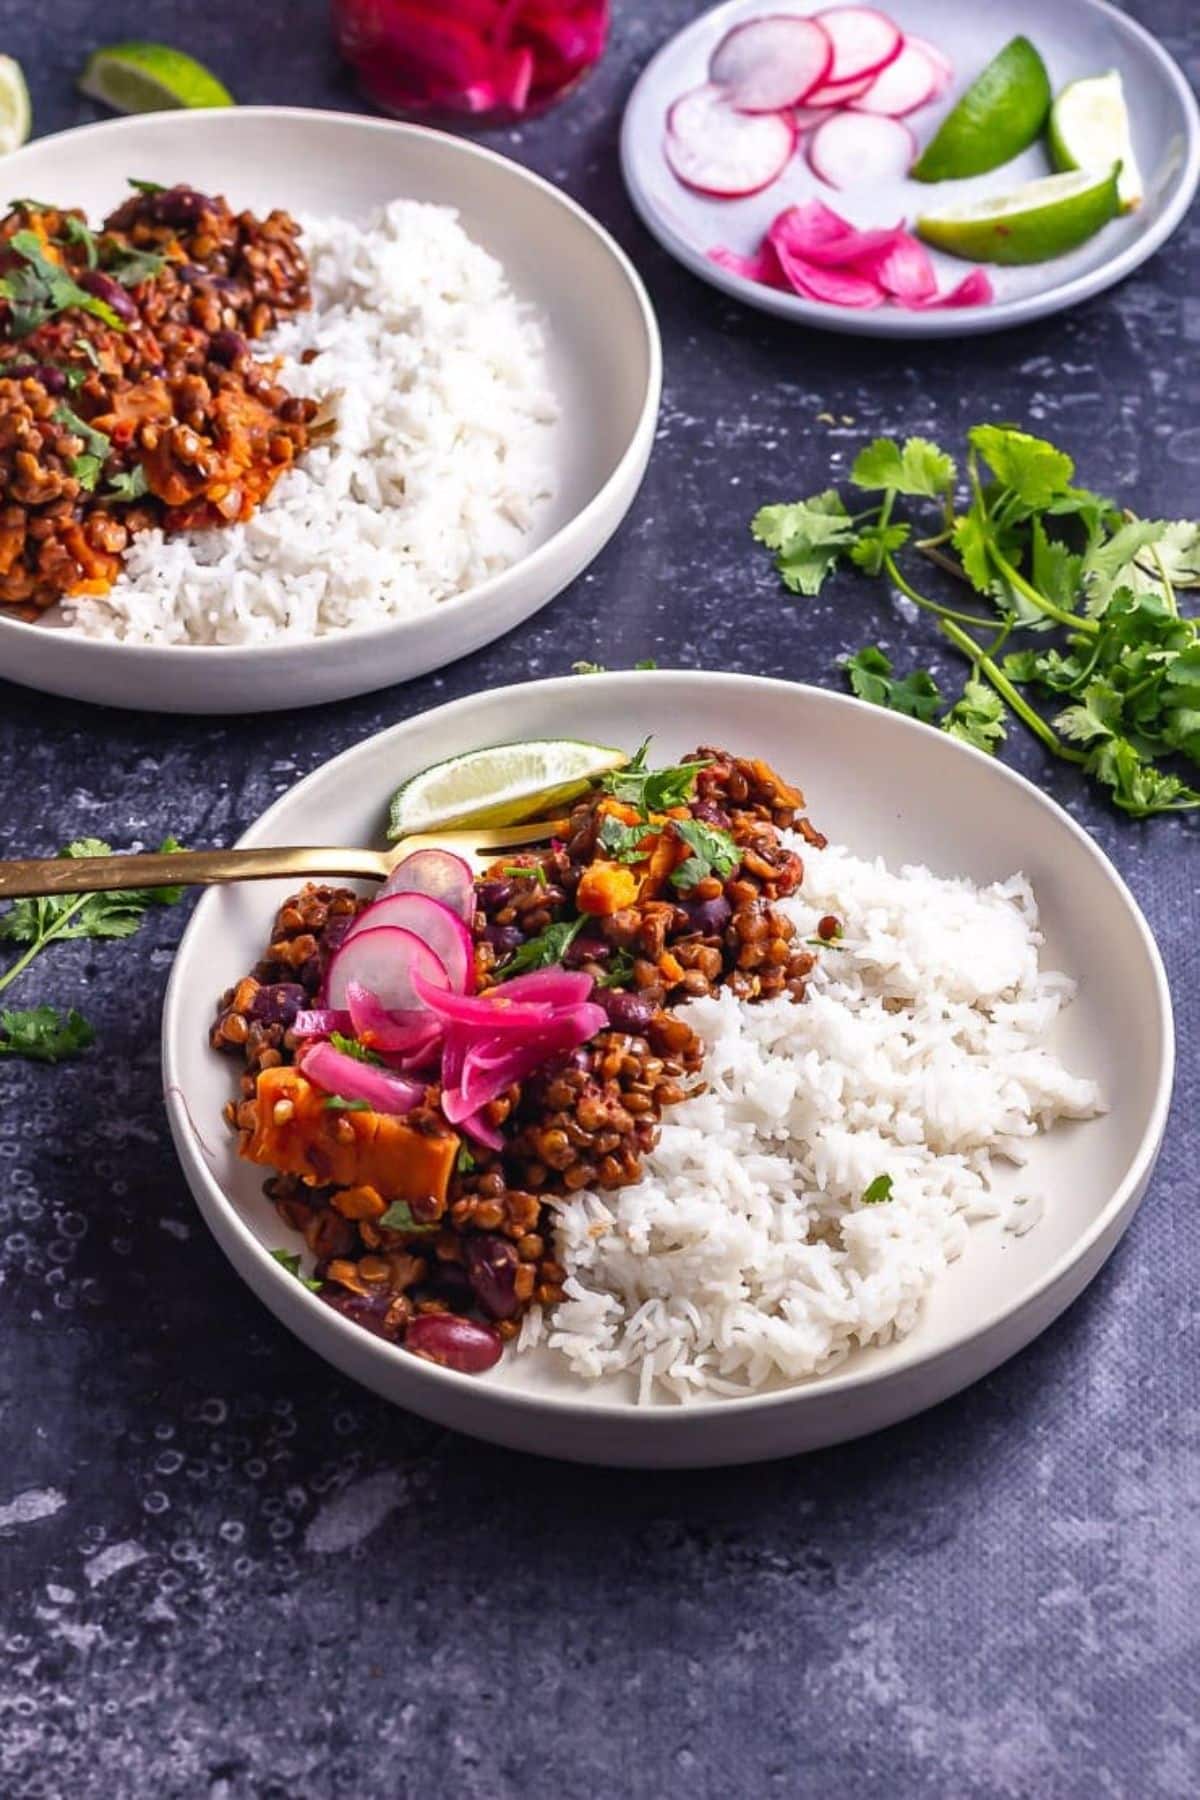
[
  {"x": 919, "y": 468},
  {"x": 875, "y": 543},
  {"x": 869, "y": 672},
  {"x": 43, "y": 1034},
  {"x": 977, "y": 717},
  {"x": 1034, "y": 471},
  {"x": 807, "y": 536}
]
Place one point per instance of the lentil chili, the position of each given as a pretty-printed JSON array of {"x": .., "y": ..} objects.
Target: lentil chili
[{"x": 479, "y": 1255}]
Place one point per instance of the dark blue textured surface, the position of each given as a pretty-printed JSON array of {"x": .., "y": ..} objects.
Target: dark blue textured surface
[{"x": 226, "y": 1573}]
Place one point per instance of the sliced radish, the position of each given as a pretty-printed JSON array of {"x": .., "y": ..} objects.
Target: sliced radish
[
  {"x": 836, "y": 94},
  {"x": 940, "y": 63},
  {"x": 854, "y": 149},
  {"x": 769, "y": 63},
  {"x": 712, "y": 147},
  {"x": 904, "y": 85},
  {"x": 433, "y": 923},
  {"x": 384, "y": 962},
  {"x": 864, "y": 40},
  {"x": 438, "y": 873},
  {"x": 805, "y": 117}
]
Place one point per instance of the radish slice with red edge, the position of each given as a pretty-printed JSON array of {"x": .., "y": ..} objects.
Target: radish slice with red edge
[
  {"x": 716, "y": 150},
  {"x": 836, "y": 94},
  {"x": 859, "y": 149},
  {"x": 386, "y": 962},
  {"x": 864, "y": 41},
  {"x": 769, "y": 63},
  {"x": 805, "y": 117},
  {"x": 433, "y": 923},
  {"x": 438, "y": 873},
  {"x": 938, "y": 61},
  {"x": 348, "y": 1079},
  {"x": 321, "y": 1022},
  {"x": 904, "y": 85}
]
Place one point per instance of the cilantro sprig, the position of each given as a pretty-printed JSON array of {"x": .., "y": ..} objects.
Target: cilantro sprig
[
  {"x": 37, "y": 288},
  {"x": 1108, "y": 678},
  {"x": 40, "y": 1033},
  {"x": 544, "y": 950},
  {"x": 652, "y": 790}
]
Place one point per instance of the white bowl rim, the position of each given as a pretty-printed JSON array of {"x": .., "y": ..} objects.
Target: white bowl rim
[
  {"x": 999, "y": 316},
  {"x": 177, "y": 1018},
  {"x": 483, "y": 591}
]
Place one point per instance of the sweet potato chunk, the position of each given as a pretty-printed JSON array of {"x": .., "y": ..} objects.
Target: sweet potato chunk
[
  {"x": 296, "y": 1133},
  {"x": 606, "y": 888}
]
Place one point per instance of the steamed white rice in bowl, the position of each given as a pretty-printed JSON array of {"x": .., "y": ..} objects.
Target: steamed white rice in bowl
[
  {"x": 433, "y": 475},
  {"x": 808, "y": 1200}
]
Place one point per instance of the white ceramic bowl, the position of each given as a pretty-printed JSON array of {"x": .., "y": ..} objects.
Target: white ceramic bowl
[
  {"x": 879, "y": 783},
  {"x": 605, "y": 357},
  {"x": 1075, "y": 38}
]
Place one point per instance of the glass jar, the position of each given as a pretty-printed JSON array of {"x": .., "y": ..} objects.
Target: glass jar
[{"x": 489, "y": 60}]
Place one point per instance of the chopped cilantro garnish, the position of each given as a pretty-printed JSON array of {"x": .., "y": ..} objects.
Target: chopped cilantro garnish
[
  {"x": 336, "y": 1103},
  {"x": 713, "y": 852},
  {"x": 290, "y": 1260},
  {"x": 351, "y": 1047},
  {"x": 399, "y": 1217},
  {"x": 129, "y": 485},
  {"x": 652, "y": 790},
  {"x": 877, "y": 1190},
  {"x": 541, "y": 952}
]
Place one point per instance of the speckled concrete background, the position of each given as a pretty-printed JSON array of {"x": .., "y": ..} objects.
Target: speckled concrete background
[{"x": 226, "y": 1573}]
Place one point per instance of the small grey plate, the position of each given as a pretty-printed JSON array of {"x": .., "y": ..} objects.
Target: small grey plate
[{"x": 1075, "y": 37}]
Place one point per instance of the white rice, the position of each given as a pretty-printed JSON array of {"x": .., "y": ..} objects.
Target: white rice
[
  {"x": 436, "y": 380},
  {"x": 746, "y": 1253}
]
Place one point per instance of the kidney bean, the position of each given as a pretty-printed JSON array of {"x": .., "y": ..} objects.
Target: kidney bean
[
  {"x": 503, "y": 938},
  {"x": 587, "y": 947},
  {"x": 371, "y": 1311},
  {"x": 626, "y": 1012},
  {"x": 491, "y": 1269},
  {"x": 53, "y": 380},
  {"x": 454, "y": 1343},
  {"x": 448, "y": 1281},
  {"x": 278, "y": 1003},
  {"x": 711, "y": 814},
  {"x": 179, "y": 206},
  {"x": 492, "y": 895},
  {"x": 226, "y": 346},
  {"x": 103, "y": 287},
  {"x": 709, "y": 917}
]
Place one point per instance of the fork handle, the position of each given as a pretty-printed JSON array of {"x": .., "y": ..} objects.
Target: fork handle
[{"x": 182, "y": 868}]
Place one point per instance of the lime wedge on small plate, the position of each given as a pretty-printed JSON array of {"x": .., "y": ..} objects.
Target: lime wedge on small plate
[
  {"x": 502, "y": 785},
  {"x": 1030, "y": 224},
  {"x": 1000, "y": 114},
  {"x": 16, "y": 114},
  {"x": 140, "y": 78},
  {"x": 1089, "y": 129}
]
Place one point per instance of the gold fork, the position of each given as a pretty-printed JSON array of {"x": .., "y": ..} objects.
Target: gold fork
[{"x": 203, "y": 868}]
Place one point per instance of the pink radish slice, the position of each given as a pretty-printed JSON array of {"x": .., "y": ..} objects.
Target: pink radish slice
[
  {"x": 385, "y": 962},
  {"x": 439, "y": 874},
  {"x": 433, "y": 923},
  {"x": 716, "y": 150},
  {"x": 864, "y": 41},
  {"x": 805, "y": 117},
  {"x": 940, "y": 63},
  {"x": 769, "y": 63},
  {"x": 837, "y": 94},
  {"x": 856, "y": 149},
  {"x": 904, "y": 85},
  {"x": 350, "y": 1079}
]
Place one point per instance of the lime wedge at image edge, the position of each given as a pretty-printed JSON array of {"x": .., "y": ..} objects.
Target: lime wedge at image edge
[
  {"x": 1089, "y": 129},
  {"x": 1031, "y": 224},
  {"x": 504, "y": 784},
  {"x": 16, "y": 114},
  {"x": 1000, "y": 114},
  {"x": 138, "y": 78}
]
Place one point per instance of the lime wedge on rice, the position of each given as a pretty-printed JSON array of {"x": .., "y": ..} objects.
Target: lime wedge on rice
[
  {"x": 1000, "y": 114},
  {"x": 1089, "y": 129},
  {"x": 16, "y": 114},
  {"x": 138, "y": 78},
  {"x": 503, "y": 785},
  {"x": 1031, "y": 224}
]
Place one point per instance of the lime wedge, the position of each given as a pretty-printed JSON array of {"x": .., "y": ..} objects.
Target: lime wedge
[
  {"x": 16, "y": 115},
  {"x": 1031, "y": 224},
  {"x": 999, "y": 116},
  {"x": 1089, "y": 129},
  {"x": 137, "y": 78},
  {"x": 503, "y": 785}
]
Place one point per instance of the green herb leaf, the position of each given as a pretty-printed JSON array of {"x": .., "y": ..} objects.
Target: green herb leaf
[
  {"x": 56, "y": 287},
  {"x": 290, "y": 1260},
  {"x": 588, "y": 668},
  {"x": 921, "y": 468},
  {"x": 351, "y": 1047},
  {"x": 618, "y": 972},
  {"x": 869, "y": 672},
  {"x": 129, "y": 484},
  {"x": 85, "y": 468},
  {"x": 145, "y": 187},
  {"x": 66, "y": 916},
  {"x": 807, "y": 536},
  {"x": 713, "y": 853},
  {"x": 464, "y": 1162},
  {"x": 399, "y": 1217},
  {"x": 652, "y": 790},
  {"x": 877, "y": 1190},
  {"x": 978, "y": 717},
  {"x": 876, "y": 543},
  {"x": 1033, "y": 469},
  {"x": 44, "y": 1035},
  {"x": 623, "y": 842},
  {"x": 543, "y": 951},
  {"x": 132, "y": 267},
  {"x": 335, "y": 1103}
]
